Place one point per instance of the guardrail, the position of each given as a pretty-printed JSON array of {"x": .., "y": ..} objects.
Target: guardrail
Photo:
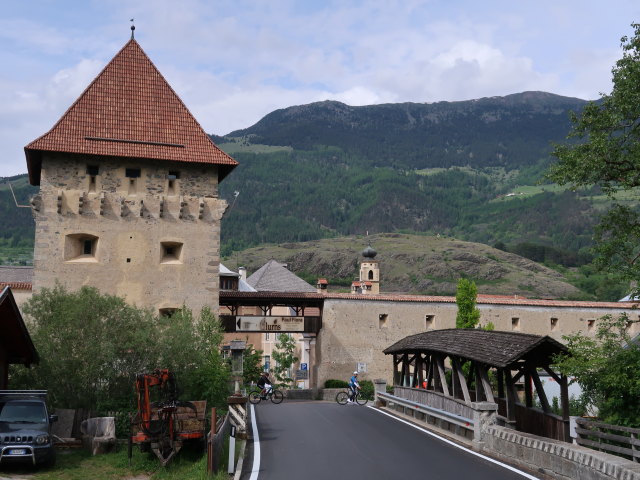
[{"x": 456, "y": 424}]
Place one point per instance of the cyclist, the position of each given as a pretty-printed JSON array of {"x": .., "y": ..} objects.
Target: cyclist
[
  {"x": 264, "y": 383},
  {"x": 354, "y": 386}
]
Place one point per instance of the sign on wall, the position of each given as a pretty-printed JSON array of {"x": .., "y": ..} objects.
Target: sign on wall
[{"x": 269, "y": 324}]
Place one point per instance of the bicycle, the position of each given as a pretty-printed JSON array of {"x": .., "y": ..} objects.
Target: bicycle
[
  {"x": 272, "y": 394},
  {"x": 343, "y": 397}
]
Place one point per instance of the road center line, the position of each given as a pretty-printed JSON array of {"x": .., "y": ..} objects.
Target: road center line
[
  {"x": 256, "y": 446},
  {"x": 428, "y": 432}
]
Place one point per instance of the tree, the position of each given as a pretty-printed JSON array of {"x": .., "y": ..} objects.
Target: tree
[
  {"x": 605, "y": 151},
  {"x": 251, "y": 364},
  {"x": 468, "y": 315},
  {"x": 91, "y": 347},
  {"x": 607, "y": 368},
  {"x": 284, "y": 358}
]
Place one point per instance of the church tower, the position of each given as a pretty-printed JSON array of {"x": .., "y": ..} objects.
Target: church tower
[
  {"x": 369, "y": 282},
  {"x": 128, "y": 199}
]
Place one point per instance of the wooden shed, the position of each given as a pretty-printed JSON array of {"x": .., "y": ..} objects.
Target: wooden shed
[
  {"x": 493, "y": 366},
  {"x": 16, "y": 346}
]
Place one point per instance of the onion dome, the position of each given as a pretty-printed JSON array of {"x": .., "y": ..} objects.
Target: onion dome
[{"x": 369, "y": 253}]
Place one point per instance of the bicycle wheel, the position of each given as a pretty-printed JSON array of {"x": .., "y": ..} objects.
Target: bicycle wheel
[
  {"x": 360, "y": 399},
  {"x": 254, "y": 397},
  {"x": 342, "y": 398},
  {"x": 277, "y": 396}
]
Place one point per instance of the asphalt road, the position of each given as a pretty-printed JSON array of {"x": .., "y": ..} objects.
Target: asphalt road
[{"x": 323, "y": 440}]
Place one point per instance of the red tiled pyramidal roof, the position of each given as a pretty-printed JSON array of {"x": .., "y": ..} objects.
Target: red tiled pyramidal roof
[{"x": 129, "y": 110}]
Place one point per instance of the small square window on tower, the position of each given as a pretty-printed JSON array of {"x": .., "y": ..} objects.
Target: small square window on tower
[
  {"x": 553, "y": 323},
  {"x": 167, "y": 312},
  {"x": 171, "y": 252},
  {"x": 172, "y": 183},
  {"x": 429, "y": 321},
  {"x": 382, "y": 320},
  {"x": 80, "y": 247},
  {"x": 515, "y": 323},
  {"x": 132, "y": 175},
  {"x": 92, "y": 174}
]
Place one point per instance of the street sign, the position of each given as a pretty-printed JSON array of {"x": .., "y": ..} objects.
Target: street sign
[
  {"x": 302, "y": 374},
  {"x": 247, "y": 323},
  {"x": 303, "y": 366}
]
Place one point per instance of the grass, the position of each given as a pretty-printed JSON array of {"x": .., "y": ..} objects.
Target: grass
[
  {"x": 240, "y": 146},
  {"x": 188, "y": 464}
]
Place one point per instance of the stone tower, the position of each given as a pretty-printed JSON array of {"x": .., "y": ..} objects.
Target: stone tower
[
  {"x": 369, "y": 273},
  {"x": 128, "y": 199}
]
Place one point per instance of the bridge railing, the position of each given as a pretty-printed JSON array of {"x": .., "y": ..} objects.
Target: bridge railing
[{"x": 464, "y": 422}]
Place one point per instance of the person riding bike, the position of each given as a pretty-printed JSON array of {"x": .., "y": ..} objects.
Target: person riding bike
[
  {"x": 264, "y": 383},
  {"x": 354, "y": 386}
]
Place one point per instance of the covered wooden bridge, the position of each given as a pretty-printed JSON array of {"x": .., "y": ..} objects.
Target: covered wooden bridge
[{"x": 469, "y": 366}]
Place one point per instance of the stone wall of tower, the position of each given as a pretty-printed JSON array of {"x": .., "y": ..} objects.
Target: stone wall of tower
[{"x": 152, "y": 239}]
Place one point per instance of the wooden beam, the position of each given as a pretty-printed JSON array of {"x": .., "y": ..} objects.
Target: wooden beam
[
  {"x": 512, "y": 395},
  {"x": 528, "y": 392},
  {"x": 482, "y": 374},
  {"x": 458, "y": 375},
  {"x": 564, "y": 399},
  {"x": 443, "y": 377},
  {"x": 542, "y": 395},
  {"x": 500, "y": 383}
]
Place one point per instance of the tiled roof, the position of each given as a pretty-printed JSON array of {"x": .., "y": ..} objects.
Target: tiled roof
[
  {"x": 16, "y": 285},
  {"x": 11, "y": 274},
  {"x": 498, "y": 300},
  {"x": 275, "y": 277},
  {"x": 494, "y": 348},
  {"x": 129, "y": 110}
]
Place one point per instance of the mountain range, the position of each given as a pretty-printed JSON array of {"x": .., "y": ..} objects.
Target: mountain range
[{"x": 471, "y": 170}]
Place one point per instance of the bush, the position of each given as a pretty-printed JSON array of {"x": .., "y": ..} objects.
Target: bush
[
  {"x": 336, "y": 384},
  {"x": 367, "y": 389}
]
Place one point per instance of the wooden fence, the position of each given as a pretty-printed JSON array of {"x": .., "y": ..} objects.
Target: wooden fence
[
  {"x": 614, "y": 439},
  {"x": 215, "y": 440}
]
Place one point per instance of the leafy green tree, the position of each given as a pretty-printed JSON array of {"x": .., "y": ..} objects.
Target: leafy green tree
[
  {"x": 468, "y": 315},
  {"x": 605, "y": 151},
  {"x": 607, "y": 368},
  {"x": 92, "y": 346},
  {"x": 284, "y": 358},
  {"x": 204, "y": 373},
  {"x": 252, "y": 364}
]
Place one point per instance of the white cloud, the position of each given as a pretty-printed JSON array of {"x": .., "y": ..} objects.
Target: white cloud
[{"x": 233, "y": 61}]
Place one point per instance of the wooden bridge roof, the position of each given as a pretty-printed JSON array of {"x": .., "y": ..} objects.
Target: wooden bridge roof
[{"x": 493, "y": 348}]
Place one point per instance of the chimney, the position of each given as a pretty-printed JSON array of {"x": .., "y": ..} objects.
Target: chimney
[
  {"x": 243, "y": 273},
  {"x": 322, "y": 285}
]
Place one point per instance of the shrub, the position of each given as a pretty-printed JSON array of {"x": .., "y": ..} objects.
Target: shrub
[
  {"x": 331, "y": 383},
  {"x": 367, "y": 389}
]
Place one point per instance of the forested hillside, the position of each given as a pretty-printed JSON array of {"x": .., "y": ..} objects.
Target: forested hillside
[
  {"x": 468, "y": 170},
  {"x": 16, "y": 234},
  {"x": 455, "y": 168}
]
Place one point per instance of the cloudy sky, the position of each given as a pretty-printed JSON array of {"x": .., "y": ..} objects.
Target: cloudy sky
[{"x": 234, "y": 61}]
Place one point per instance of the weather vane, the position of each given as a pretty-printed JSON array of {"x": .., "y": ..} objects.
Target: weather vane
[{"x": 133, "y": 27}]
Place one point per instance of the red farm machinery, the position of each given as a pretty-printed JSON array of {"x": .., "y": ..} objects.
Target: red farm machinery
[{"x": 163, "y": 423}]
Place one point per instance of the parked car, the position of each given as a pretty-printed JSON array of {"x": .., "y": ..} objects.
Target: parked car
[{"x": 25, "y": 427}]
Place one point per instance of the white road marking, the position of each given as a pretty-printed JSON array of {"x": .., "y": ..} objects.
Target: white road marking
[
  {"x": 488, "y": 459},
  {"x": 256, "y": 446}
]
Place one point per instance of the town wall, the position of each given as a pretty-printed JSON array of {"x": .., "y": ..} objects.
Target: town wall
[{"x": 357, "y": 328}]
